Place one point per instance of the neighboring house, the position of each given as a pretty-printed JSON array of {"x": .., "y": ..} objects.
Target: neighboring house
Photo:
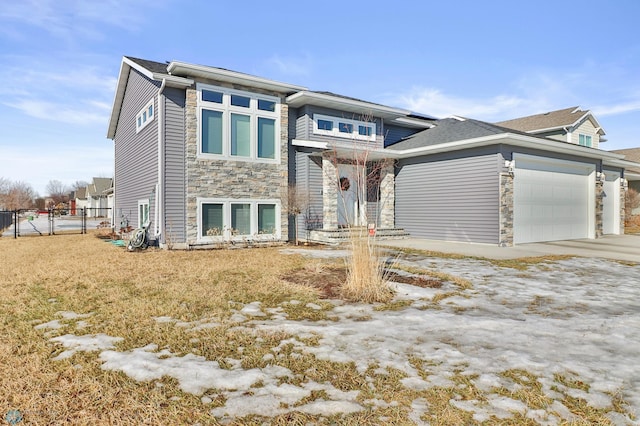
[
  {"x": 632, "y": 173},
  {"x": 207, "y": 154},
  {"x": 97, "y": 203},
  {"x": 571, "y": 125},
  {"x": 80, "y": 197}
]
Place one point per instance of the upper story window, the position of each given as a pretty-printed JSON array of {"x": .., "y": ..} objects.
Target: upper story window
[
  {"x": 585, "y": 140},
  {"x": 344, "y": 128},
  {"x": 145, "y": 116},
  {"x": 238, "y": 125}
]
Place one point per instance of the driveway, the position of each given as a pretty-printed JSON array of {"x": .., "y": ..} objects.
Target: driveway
[{"x": 614, "y": 247}]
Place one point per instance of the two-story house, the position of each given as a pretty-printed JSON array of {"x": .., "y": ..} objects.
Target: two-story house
[
  {"x": 571, "y": 125},
  {"x": 209, "y": 155}
]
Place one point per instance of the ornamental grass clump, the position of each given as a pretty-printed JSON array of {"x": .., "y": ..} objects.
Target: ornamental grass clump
[{"x": 366, "y": 277}]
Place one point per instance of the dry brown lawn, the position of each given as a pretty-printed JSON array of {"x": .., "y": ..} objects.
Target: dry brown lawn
[{"x": 123, "y": 292}]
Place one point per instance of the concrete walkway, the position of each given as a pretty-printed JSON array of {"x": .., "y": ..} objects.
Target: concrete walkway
[{"x": 615, "y": 247}]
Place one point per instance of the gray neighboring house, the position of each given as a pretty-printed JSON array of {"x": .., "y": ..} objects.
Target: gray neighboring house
[{"x": 207, "y": 155}]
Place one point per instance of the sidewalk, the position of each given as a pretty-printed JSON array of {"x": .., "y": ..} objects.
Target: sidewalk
[{"x": 615, "y": 247}]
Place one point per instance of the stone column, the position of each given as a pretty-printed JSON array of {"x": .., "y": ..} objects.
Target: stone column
[
  {"x": 329, "y": 192},
  {"x": 599, "y": 207},
  {"x": 387, "y": 195},
  {"x": 506, "y": 210}
]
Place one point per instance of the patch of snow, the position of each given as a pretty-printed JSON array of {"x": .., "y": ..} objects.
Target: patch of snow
[
  {"x": 86, "y": 343},
  {"x": 313, "y": 306},
  {"x": 253, "y": 310},
  {"x": 51, "y": 325},
  {"x": 69, "y": 315}
]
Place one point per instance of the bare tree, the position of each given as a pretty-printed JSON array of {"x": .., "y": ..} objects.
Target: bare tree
[
  {"x": 19, "y": 196},
  {"x": 57, "y": 191},
  {"x": 5, "y": 184},
  {"x": 79, "y": 184},
  {"x": 297, "y": 202}
]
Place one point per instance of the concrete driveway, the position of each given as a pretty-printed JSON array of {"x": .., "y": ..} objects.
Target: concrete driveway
[{"x": 615, "y": 247}]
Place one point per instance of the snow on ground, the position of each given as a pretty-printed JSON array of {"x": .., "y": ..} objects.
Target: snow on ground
[{"x": 579, "y": 318}]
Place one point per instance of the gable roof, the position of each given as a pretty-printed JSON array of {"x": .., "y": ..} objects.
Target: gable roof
[
  {"x": 553, "y": 120},
  {"x": 81, "y": 193},
  {"x": 98, "y": 186},
  {"x": 181, "y": 74}
]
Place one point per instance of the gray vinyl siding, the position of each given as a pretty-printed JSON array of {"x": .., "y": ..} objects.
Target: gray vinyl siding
[
  {"x": 174, "y": 166},
  {"x": 136, "y": 154},
  {"x": 393, "y": 134},
  {"x": 451, "y": 199},
  {"x": 309, "y": 181},
  {"x": 304, "y": 124}
]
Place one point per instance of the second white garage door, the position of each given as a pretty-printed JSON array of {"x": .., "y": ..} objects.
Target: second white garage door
[{"x": 553, "y": 199}]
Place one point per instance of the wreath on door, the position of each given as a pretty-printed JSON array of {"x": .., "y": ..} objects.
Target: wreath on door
[{"x": 345, "y": 184}]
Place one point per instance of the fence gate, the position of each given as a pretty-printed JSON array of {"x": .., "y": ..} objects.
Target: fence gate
[{"x": 24, "y": 223}]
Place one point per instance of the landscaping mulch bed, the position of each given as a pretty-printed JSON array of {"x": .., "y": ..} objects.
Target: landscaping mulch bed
[{"x": 328, "y": 281}]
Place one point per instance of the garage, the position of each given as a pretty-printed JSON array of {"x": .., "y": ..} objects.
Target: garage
[
  {"x": 611, "y": 203},
  {"x": 553, "y": 199}
]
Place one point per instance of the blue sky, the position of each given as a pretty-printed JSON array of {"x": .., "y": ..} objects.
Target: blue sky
[{"x": 491, "y": 60}]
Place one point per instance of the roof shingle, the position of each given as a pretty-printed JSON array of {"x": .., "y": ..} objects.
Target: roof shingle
[{"x": 547, "y": 120}]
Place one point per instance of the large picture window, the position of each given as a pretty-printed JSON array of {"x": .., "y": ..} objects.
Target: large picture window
[
  {"x": 229, "y": 219},
  {"x": 238, "y": 125}
]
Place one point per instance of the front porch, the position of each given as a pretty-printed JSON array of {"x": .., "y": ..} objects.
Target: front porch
[{"x": 357, "y": 197}]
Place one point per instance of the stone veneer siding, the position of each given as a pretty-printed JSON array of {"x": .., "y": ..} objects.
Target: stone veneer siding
[
  {"x": 329, "y": 192},
  {"x": 387, "y": 195},
  {"x": 599, "y": 208},
  {"x": 623, "y": 207},
  {"x": 506, "y": 210},
  {"x": 232, "y": 179}
]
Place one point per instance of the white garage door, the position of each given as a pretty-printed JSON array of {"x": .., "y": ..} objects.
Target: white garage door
[
  {"x": 611, "y": 203},
  {"x": 553, "y": 199}
]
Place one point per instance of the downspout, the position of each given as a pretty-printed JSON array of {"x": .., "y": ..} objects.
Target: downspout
[
  {"x": 158, "y": 225},
  {"x": 569, "y": 134}
]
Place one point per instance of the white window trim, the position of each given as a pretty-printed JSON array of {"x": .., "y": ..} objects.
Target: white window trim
[
  {"x": 335, "y": 131},
  {"x": 226, "y": 219},
  {"x": 141, "y": 203},
  {"x": 149, "y": 118},
  {"x": 227, "y": 109}
]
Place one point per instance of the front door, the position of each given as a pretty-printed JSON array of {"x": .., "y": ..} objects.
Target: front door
[{"x": 349, "y": 201}]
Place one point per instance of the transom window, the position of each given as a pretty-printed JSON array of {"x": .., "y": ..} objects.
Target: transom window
[
  {"x": 584, "y": 140},
  {"x": 239, "y": 125},
  {"x": 145, "y": 116},
  {"x": 344, "y": 128},
  {"x": 228, "y": 219}
]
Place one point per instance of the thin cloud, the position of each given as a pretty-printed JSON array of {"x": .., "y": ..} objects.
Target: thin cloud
[
  {"x": 68, "y": 18},
  {"x": 297, "y": 66},
  {"x": 59, "y": 112},
  {"x": 439, "y": 104},
  {"x": 616, "y": 109}
]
